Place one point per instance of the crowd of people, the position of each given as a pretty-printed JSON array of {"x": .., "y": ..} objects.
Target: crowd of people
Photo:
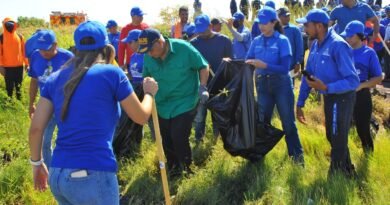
[{"x": 80, "y": 92}]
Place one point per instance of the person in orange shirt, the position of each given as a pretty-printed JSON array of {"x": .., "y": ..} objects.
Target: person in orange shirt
[
  {"x": 182, "y": 25},
  {"x": 12, "y": 57}
]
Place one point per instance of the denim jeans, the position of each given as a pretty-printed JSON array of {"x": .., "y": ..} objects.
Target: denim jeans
[
  {"x": 338, "y": 116},
  {"x": 200, "y": 122},
  {"x": 278, "y": 90},
  {"x": 97, "y": 188},
  {"x": 47, "y": 150}
]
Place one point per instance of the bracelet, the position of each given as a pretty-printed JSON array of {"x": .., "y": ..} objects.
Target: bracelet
[
  {"x": 36, "y": 163},
  {"x": 148, "y": 93}
]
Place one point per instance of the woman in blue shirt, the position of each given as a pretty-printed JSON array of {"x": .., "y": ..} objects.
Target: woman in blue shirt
[
  {"x": 270, "y": 54},
  {"x": 84, "y": 97},
  {"x": 370, "y": 74}
]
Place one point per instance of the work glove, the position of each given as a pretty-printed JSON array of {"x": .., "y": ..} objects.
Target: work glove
[{"x": 203, "y": 94}]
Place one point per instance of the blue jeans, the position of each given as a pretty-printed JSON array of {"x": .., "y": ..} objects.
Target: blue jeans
[
  {"x": 47, "y": 150},
  {"x": 200, "y": 122},
  {"x": 97, "y": 188},
  {"x": 278, "y": 90}
]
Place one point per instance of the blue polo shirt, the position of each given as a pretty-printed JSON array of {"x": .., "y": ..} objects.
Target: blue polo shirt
[
  {"x": 214, "y": 49},
  {"x": 366, "y": 63},
  {"x": 296, "y": 42},
  {"x": 41, "y": 68},
  {"x": 343, "y": 15},
  {"x": 271, "y": 50},
  {"x": 135, "y": 67},
  {"x": 84, "y": 139},
  {"x": 114, "y": 41},
  {"x": 332, "y": 63},
  {"x": 240, "y": 48}
]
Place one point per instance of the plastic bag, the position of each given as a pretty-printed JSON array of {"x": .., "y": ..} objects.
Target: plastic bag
[{"x": 233, "y": 106}]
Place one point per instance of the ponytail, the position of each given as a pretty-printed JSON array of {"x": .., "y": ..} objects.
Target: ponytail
[{"x": 278, "y": 27}]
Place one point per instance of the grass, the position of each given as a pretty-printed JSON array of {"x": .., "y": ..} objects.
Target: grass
[{"x": 219, "y": 178}]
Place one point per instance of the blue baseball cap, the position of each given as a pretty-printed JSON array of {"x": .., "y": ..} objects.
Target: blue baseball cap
[
  {"x": 45, "y": 40},
  {"x": 136, "y": 11},
  {"x": 111, "y": 23},
  {"x": 315, "y": 15},
  {"x": 270, "y": 4},
  {"x": 387, "y": 9},
  {"x": 90, "y": 29},
  {"x": 238, "y": 16},
  {"x": 202, "y": 23},
  {"x": 190, "y": 31},
  {"x": 132, "y": 36},
  {"x": 266, "y": 15},
  {"x": 353, "y": 28},
  {"x": 146, "y": 39}
]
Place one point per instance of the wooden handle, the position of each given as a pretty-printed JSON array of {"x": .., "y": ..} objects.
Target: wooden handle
[{"x": 160, "y": 154}]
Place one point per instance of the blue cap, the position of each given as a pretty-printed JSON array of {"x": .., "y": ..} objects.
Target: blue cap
[
  {"x": 266, "y": 15},
  {"x": 190, "y": 31},
  {"x": 326, "y": 9},
  {"x": 387, "y": 9},
  {"x": 202, "y": 23},
  {"x": 111, "y": 23},
  {"x": 315, "y": 15},
  {"x": 132, "y": 36},
  {"x": 136, "y": 11},
  {"x": 146, "y": 39},
  {"x": 45, "y": 40},
  {"x": 238, "y": 16},
  {"x": 94, "y": 30},
  {"x": 270, "y": 4},
  {"x": 353, "y": 28}
]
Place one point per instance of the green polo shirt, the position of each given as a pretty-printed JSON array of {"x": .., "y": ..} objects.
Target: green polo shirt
[{"x": 177, "y": 76}]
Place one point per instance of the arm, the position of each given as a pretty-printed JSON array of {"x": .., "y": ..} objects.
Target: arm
[
  {"x": 286, "y": 63},
  {"x": 204, "y": 76},
  {"x": 37, "y": 127},
  {"x": 298, "y": 47},
  {"x": 375, "y": 22},
  {"x": 33, "y": 93},
  {"x": 121, "y": 47}
]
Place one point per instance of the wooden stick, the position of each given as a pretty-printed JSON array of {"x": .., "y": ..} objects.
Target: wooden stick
[{"x": 160, "y": 154}]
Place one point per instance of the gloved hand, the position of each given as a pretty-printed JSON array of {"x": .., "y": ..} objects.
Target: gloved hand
[{"x": 203, "y": 94}]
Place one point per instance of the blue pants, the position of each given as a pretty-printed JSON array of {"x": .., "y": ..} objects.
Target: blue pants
[
  {"x": 200, "y": 122},
  {"x": 338, "y": 116},
  {"x": 278, "y": 90},
  {"x": 47, "y": 150},
  {"x": 97, "y": 188}
]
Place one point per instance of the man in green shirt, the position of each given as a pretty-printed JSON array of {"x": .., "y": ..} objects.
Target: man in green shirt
[{"x": 181, "y": 73}]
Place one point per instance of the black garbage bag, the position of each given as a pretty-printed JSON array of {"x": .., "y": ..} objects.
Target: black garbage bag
[
  {"x": 128, "y": 134},
  {"x": 233, "y": 106}
]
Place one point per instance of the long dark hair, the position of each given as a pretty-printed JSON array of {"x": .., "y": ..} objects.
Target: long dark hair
[
  {"x": 82, "y": 61},
  {"x": 278, "y": 26}
]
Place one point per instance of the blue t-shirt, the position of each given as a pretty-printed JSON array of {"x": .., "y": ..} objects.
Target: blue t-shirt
[
  {"x": 84, "y": 139},
  {"x": 41, "y": 68},
  {"x": 114, "y": 41},
  {"x": 295, "y": 38},
  {"x": 385, "y": 21},
  {"x": 271, "y": 50},
  {"x": 240, "y": 48},
  {"x": 135, "y": 67},
  {"x": 343, "y": 15},
  {"x": 366, "y": 63},
  {"x": 214, "y": 49},
  {"x": 332, "y": 63}
]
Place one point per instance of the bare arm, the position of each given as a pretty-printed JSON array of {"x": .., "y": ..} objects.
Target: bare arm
[
  {"x": 372, "y": 82},
  {"x": 204, "y": 76},
  {"x": 33, "y": 94}
]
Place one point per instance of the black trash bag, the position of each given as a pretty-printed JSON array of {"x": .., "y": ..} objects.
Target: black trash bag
[
  {"x": 232, "y": 104},
  {"x": 128, "y": 134}
]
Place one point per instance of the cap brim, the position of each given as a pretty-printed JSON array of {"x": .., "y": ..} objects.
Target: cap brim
[
  {"x": 126, "y": 40},
  {"x": 200, "y": 29},
  {"x": 144, "y": 49},
  {"x": 44, "y": 47},
  {"x": 301, "y": 20}
]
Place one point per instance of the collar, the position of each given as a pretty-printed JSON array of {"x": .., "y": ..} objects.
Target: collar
[
  {"x": 330, "y": 32},
  {"x": 169, "y": 42}
]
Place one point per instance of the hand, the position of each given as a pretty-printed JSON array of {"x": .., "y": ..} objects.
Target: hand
[
  {"x": 40, "y": 176},
  {"x": 150, "y": 86},
  {"x": 227, "y": 59},
  {"x": 257, "y": 63},
  {"x": 31, "y": 111},
  {"x": 203, "y": 94},
  {"x": 230, "y": 23},
  {"x": 300, "y": 115},
  {"x": 359, "y": 87},
  {"x": 316, "y": 84},
  {"x": 297, "y": 69}
]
